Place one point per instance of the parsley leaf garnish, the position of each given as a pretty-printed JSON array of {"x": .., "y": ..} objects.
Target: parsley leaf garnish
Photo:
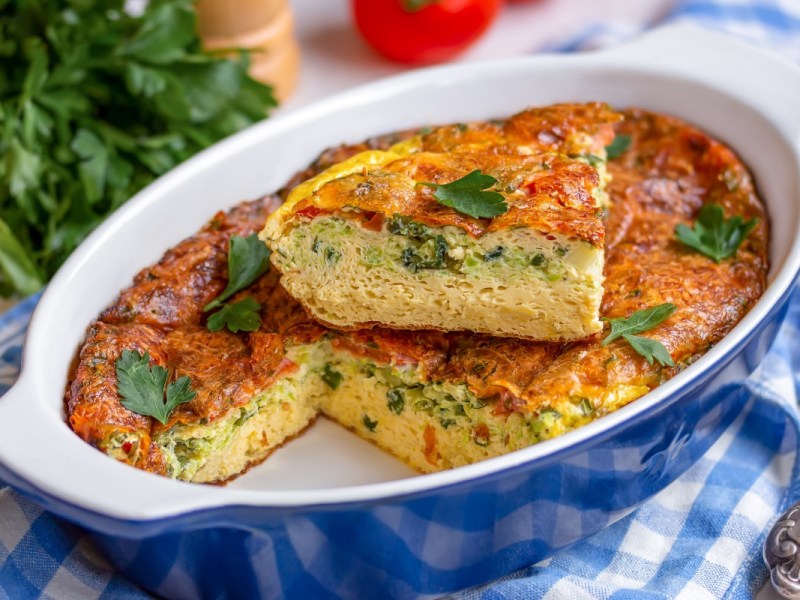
[
  {"x": 468, "y": 195},
  {"x": 239, "y": 316},
  {"x": 650, "y": 349},
  {"x": 248, "y": 259},
  {"x": 714, "y": 235},
  {"x": 619, "y": 146},
  {"x": 141, "y": 387},
  {"x": 95, "y": 103},
  {"x": 639, "y": 322}
]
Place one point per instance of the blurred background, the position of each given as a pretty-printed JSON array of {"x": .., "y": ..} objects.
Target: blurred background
[{"x": 336, "y": 57}]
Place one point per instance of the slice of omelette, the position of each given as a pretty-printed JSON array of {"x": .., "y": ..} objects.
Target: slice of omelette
[
  {"x": 433, "y": 399},
  {"x": 367, "y": 242}
]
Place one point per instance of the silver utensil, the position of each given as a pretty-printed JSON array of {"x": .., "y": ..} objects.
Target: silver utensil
[{"x": 782, "y": 554}]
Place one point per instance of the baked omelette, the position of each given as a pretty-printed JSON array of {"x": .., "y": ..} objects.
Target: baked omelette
[
  {"x": 377, "y": 240},
  {"x": 435, "y": 400}
]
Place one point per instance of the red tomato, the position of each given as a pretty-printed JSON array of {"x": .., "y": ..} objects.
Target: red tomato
[{"x": 423, "y": 31}]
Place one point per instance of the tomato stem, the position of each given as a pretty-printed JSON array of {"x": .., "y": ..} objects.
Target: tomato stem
[{"x": 415, "y": 5}]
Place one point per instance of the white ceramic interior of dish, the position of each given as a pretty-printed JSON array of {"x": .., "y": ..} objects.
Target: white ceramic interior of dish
[{"x": 745, "y": 97}]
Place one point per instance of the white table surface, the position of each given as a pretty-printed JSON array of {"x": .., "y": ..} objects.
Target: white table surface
[{"x": 336, "y": 58}]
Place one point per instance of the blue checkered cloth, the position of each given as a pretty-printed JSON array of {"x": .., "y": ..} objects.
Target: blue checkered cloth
[
  {"x": 699, "y": 538},
  {"x": 773, "y": 24}
]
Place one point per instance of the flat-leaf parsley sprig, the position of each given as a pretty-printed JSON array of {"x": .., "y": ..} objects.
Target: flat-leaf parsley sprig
[
  {"x": 713, "y": 235},
  {"x": 470, "y": 195},
  {"x": 142, "y": 387},
  {"x": 619, "y": 146},
  {"x": 639, "y": 322},
  {"x": 239, "y": 316},
  {"x": 248, "y": 259},
  {"x": 95, "y": 103}
]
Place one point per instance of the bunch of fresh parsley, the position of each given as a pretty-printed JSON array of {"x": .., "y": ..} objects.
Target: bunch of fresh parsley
[{"x": 94, "y": 104}]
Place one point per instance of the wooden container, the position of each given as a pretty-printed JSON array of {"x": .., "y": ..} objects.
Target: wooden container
[{"x": 265, "y": 27}]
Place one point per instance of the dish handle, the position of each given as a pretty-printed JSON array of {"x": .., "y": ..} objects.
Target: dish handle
[
  {"x": 15, "y": 447},
  {"x": 760, "y": 78}
]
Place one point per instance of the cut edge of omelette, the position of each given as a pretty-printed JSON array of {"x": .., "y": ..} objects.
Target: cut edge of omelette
[
  {"x": 363, "y": 243},
  {"x": 429, "y": 423}
]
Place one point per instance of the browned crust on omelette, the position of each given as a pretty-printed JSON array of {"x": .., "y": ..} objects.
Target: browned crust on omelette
[
  {"x": 543, "y": 129},
  {"x": 670, "y": 171},
  {"x": 552, "y": 194},
  {"x": 531, "y": 154}
]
